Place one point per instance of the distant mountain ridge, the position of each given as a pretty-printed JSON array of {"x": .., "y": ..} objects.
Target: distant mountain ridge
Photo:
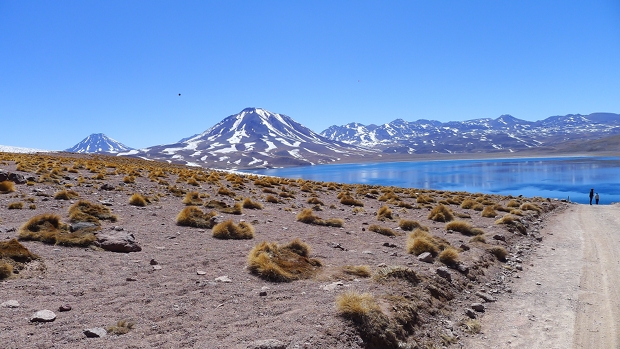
[
  {"x": 506, "y": 133},
  {"x": 253, "y": 138},
  {"x": 98, "y": 143}
]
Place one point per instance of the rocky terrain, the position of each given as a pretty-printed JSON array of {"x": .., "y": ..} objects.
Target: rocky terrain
[{"x": 373, "y": 267}]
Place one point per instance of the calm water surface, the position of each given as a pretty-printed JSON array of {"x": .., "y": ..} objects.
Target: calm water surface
[{"x": 547, "y": 177}]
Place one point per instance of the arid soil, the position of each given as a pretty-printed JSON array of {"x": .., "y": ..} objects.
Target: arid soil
[
  {"x": 186, "y": 289},
  {"x": 568, "y": 297}
]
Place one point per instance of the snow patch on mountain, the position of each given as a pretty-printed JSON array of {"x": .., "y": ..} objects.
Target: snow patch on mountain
[{"x": 99, "y": 143}]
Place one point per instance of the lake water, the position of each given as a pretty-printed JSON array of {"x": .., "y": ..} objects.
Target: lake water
[{"x": 560, "y": 177}]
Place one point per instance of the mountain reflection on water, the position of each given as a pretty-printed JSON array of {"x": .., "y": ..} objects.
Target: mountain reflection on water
[{"x": 558, "y": 177}]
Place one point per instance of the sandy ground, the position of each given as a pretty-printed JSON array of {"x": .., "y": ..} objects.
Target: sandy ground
[{"x": 568, "y": 297}]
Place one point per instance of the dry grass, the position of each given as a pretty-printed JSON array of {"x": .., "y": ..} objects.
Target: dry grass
[
  {"x": 272, "y": 199},
  {"x": 226, "y": 192},
  {"x": 6, "y": 270},
  {"x": 489, "y": 212},
  {"x": 408, "y": 225},
  {"x": 513, "y": 204},
  {"x": 507, "y": 219},
  {"x": 16, "y": 205},
  {"x": 424, "y": 199},
  {"x": 499, "y": 252},
  {"x": 47, "y": 228},
  {"x": 286, "y": 263},
  {"x": 314, "y": 201},
  {"x": 121, "y": 327},
  {"x": 234, "y": 209},
  {"x": 449, "y": 256},
  {"x": 478, "y": 238},
  {"x": 420, "y": 243},
  {"x": 356, "y": 305},
  {"x": 384, "y": 214},
  {"x": 441, "y": 213},
  {"x": 192, "y": 198},
  {"x": 137, "y": 200},
  {"x": 528, "y": 206},
  {"x": 357, "y": 270},
  {"x": 468, "y": 203},
  {"x": 464, "y": 228},
  {"x": 7, "y": 187},
  {"x": 66, "y": 195},
  {"x": 192, "y": 216},
  {"x": 348, "y": 200},
  {"x": 230, "y": 230},
  {"x": 472, "y": 326},
  {"x": 308, "y": 217},
  {"x": 382, "y": 230},
  {"x": 84, "y": 211},
  {"x": 252, "y": 205},
  {"x": 12, "y": 249}
]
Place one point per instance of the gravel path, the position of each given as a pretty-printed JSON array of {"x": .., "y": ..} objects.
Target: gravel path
[{"x": 568, "y": 295}]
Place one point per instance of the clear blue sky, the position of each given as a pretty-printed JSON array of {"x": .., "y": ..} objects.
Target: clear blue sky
[{"x": 72, "y": 68}]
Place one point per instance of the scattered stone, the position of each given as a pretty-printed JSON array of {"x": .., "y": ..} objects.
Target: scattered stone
[
  {"x": 157, "y": 267},
  {"x": 131, "y": 279},
  {"x": 519, "y": 267},
  {"x": 332, "y": 286},
  {"x": 201, "y": 272},
  {"x": 10, "y": 304},
  {"x": 426, "y": 257},
  {"x": 470, "y": 313},
  {"x": 486, "y": 297},
  {"x": 105, "y": 203},
  {"x": 43, "y": 316},
  {"x": 388, "y": 244},
  {"x": 444, "y": 273},
  {"x": 367, "y": 252},
  {"x": 462, "y": 268},
  {"x": 539, "y": 238},
  {"x": 464, "y": 247},
  {"x": 16, "y": 178},
  {"x": 95, "y": 332},
  {"x": 267, "y": 344},
  {"x": 479, "y": 307},
  {"x": 223, "y": 279},
  {"x": 117, "y": 241},
  {"x": 335, "y": 245},
  {"x": 81, "y": 225},
  {"x": 499, "y": 237},
  {"x": 263, "y": 293},
  {"x": 153, "y": 262},
  {"x": 64, "y": 307},
  {"x": 107, "y": 186},
  {"x": 381, "y": 265}
]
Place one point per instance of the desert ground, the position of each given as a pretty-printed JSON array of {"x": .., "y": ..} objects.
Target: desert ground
[{"x": 302, "y": 264}]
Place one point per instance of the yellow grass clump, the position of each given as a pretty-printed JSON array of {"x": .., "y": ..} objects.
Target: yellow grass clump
[
  {"x": 315, "y": 201},
  {"x": 507, "y": 219},
  {"x": 252, "y": 205},
  {"x": 449, "y": 256},
  {"x": 192, "y": 216},
  {"x": 47, "y": 228},
  {"x": 348, "y": 200},
  {"x": 137, "y": 200},
  {"x": 308, "y": 217},
  {"x": 230, "y": 230},
  {"x": 286, "y": 263},
  {"x": 464, "y": 228},
  {"x": 357, "y": 270},
  {"x": 12, "y": 249},
  {"x": 7, "y": 187},
  {"x": 489, "y": 212},
  {"x": 408, "y": 225},
  {"x": 66, "y": 195},
  {"x": 16, "y": 205},
  {"x": 121, "y": 327},
  {"x": 381, "y": 230},
  {"x": 192, "y": 198},
  {"x": 384, "y": 214},
  {"x": 441, "y": 213},
  {"x": 6, "y": 270},
  {"x": 85, "y": 211},
  {"x": 499, "y": 252},
  {"x": 528, "y": 206}
]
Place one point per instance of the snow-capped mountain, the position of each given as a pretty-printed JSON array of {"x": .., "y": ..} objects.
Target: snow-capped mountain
[
  {"x": 99, "y": 143},
  {"x": 12, "y": 149},
  {"x": 506, "y": 133},
  {"x": 254, "y": 138}
]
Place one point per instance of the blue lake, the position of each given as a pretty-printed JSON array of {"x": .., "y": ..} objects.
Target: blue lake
[{"x": 560, "y": 177}]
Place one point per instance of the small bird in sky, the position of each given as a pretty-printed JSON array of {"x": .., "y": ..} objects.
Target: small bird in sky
[{"x": 179, "y": 94}]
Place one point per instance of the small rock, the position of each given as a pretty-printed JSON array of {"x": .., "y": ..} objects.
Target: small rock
[
  {"x": 64, "y": 307},
  {"x": 107, "y": 186},
  {"x": 117, "y": 228},
  {"x": 223, "y": 279},
  {"x": 201, "y": 272},
  {"x": 462, "y": 268},
  {"x": 381, "y": 265},
  {"x": 263, "y": 293},
  {"x": 539, "y": 238},
  {"x": 43, "y": 316},
  {"x": 486, "y": 297},
  {"x": 388, "y": 244},
  {"x": 131, "y": 279},
  {"x": 444, "y": 273},
  {"x": 470, "y": 313},
  {"x": 464, "y": 247},
  {"x": 117, "y": 241},
  {"x": 81, "y": 225},
  {"x": 499, "y": 237},
  {"x": 426, "y": 257},
  {"x": 519, "y": 267},
  {"x": 95, "y": 332},
  {"x": 153, "y": 262},
  {"x": 332, "y": 286},
  {"x": 479, "y": 307},
  {"x": 267, "y": 344},
  {"x": 367, "y": 252},
  {"x": 10, "y": 304},
  {"x": 157, "y": 267}
]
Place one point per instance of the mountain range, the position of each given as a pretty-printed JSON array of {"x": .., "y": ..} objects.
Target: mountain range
[{"x": 257, "y": 138}]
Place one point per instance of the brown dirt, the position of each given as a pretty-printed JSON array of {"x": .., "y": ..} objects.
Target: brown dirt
[
  {"x": 568, "y": 295},
  {"x": 177, "y": 307}
]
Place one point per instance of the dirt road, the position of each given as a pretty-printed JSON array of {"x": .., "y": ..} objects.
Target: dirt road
[{"x": 569, "y": 293}]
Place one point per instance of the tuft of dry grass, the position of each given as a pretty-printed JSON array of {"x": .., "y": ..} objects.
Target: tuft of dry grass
[
  {"x": 234, "y": 209},
  {"x": 16, "y": 205},
  {"x": 121, "y": 327},
  {"x": 307, "y": 216},
  {"x": 507, "y": 219},
  {"x": 12, "y": 249},
  {"x": 449, "y": 256},
  {"x": 315, "y": 201},
  {"x": 441, "y": 213},
  {"x": 489, "y": 212},
  {"x": 6, "y": 270},
  {"x": 272, "y": 199},
  {"x": 66, "y": 195},
  {"x": 192, "y": 216},
  {"x": 468, "y": 203},
  {"x": 384, "y": 214},
  {"x": 192, "y": 198},
  {"x": 230, "y": 230},
  {"x": 464, "y": 228},
  {"x": 348, "y": 200},
  {"x": 226, "y": 192},
  {"x": 499, "y": 252},
  {"x": 286, "y": 263},
  {"x": 513, "y": 204},
  {"x": 472, "y": 326},
  {"x": 357, "y": 270},
  {"x": 528, "y": 206},
  {"x": 137, "y": 200},
  {"x": 421, "y": 242},
  {"x": 478, "y": 238},
  {"x": 356, "y": 305},
  {"x": 408, "y": 225},
  {"x": 7, "y": 187},
  {"x": 84, "y": 211},
  {"x": 252, "y": 205},
  {"x": 47, "y": 228},
  {"x": 424, "y": 199},
  {"x": 382, "y": 230}
]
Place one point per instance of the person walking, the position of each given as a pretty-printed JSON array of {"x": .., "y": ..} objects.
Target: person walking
[
  {"x": 591, "y": 195},
  {"x": 596, "y": 197}
]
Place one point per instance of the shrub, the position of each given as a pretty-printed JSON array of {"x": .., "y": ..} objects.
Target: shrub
[
  {"x": 528, "y": 206},
  {"x": 384, "y": 213},
  {"x": 129, "y": 179},
  {"x": 47, "y": 228},
  {"x": 424, "y": 199},
  {"x": 513, "y": 204},
  {"x": 499, "y": 252},
  {"x": 272, "y": 199},
  {"x": 464, "y": 228},
  {"x": 489, "y": 212},
  {"x": 192, "y": 198},
  {"x": 137, "y": 200},
  {"x": 121, "y": 327},
  {"x": 7, "y": 187},
  {"x": 192, "y": 216},
  {"x": 252, "y": 205},
  {"x": 472, "y": 326},
  {"x": 6, "y": 270},
  {"x": 229, "y": 230},
  {"x": 408, "y": 225},
  {"x": 507, "y": 219},
  {"x": 12, "y": 249},
  {"x": 478, "y": 207},
  {"x": 381, "y": 230},
  {"x": 478, "y": 238},
  {"x": 449, "y": 256},
  {"x": 308, "y": 217},
  {"x": 315, "y": 201},
  {"x": 234, "y": 209},
  {"x": 66, "y": 195},
  {"x": 357, "y": 270},
  {"x": 286, "y": 263},
  {"x": 421, "y": 241},
  {"x": 84, "y": 211},
  {"x": 516, "y": 212},
  {"x": 397, "y": 272},
  {"x": 16, "y": 205},
  {"x": 225, "y": 192},
  {"x": 355, "y": 305},
  {"x": 441, "y": 213},
  {"x": 348, "y": 200}
]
